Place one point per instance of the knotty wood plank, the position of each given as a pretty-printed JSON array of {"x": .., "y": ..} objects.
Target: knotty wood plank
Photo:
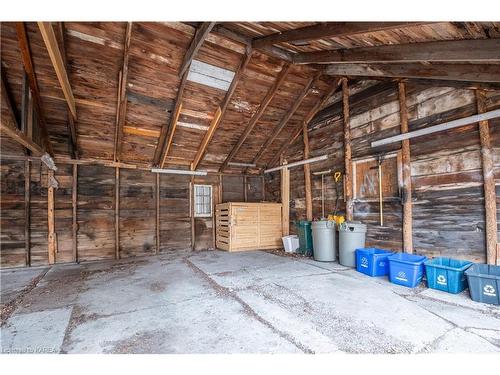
[
  {"x": 329, "y": 30},
  {"x": 489, "y": 182},
  {"x": 347, "y": 151},
  {"x": 121, "y": 108},
  {"x": 30, "y": 71},
  {"x": 405, "y": 159},
  {"x": 255, "y": 118},
  {"x": 477, "y": 50},
  {"x": 50, "y": 40}
]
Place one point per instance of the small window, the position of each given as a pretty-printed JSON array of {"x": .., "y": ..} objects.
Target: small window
[{"x": 202, "y": 200}]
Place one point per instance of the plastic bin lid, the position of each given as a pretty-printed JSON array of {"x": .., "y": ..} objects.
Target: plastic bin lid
[
  {"x": 323, "y": 224},
  {"x": 303, "y": 223},
  {"x": 352, "y": 226}
]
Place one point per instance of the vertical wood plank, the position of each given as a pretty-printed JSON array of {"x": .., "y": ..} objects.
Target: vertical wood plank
[
  {"x": 307, "y": 173},
  {"x": 157, "y": 191},
  {"x": 489, "y": 182},
  {"x": 347, "y": 151},
  {"x": 191, "y": 212},
  {"x": 285, "y": 200},
  {"x": 27, "y": 212},
  {"x": 74, "y": 203},
  {"x": 405, "y": 159},
  {"x": 117, "y": 213},
  {"x": 51, "y": 218}
]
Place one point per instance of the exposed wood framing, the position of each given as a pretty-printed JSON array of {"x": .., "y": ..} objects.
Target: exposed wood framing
[
  {"x": 288, "y": 115},
  {"x": 74, "y": 206},
  {"x": 121, "y": 108},
  {"x": 191, "y": 212},
  {"x": 17, "y": 135},
  {"x": 221, "y": 110},
  {"x": 255, "y": 118},
  {"x": 307, "y": 174},
  {"x": 199, "y": 37},
  {"x": 27, "y": 213},
  {"x": 285, "y": 200},
  {"x": 30, "y": 71},
  {"x": 263, "y": 188},
  {"x": 157, "y": 201},
  {"x": 49, "y": 37},
  {"x": 466, "y": 72},
  {"x": 25, "y": 107},
  {"x": 328, "y": 30},
  {"x": 478, "y": 50},
  {"x": 52, "y": 241},
  {"x": 405, "y": 158},
  {"x": 489, "y": 183},
  {"x": 310, "y": 115},
  {"x": 245, "y": 188},
  {"x": 347, "y": 151},
  {"x": 117, "y": 213}
]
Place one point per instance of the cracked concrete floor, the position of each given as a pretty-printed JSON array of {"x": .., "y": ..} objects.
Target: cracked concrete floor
[{"x": 218, "y": 302}]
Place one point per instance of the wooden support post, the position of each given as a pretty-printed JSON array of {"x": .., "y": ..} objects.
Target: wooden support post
[
  {"x": 285, "y": 200},
  {"x": 51, "y": 218},
  {"x": 245, "y": 188},
  {"x": 27, "y": 215},
  {"x": 347, "y": 152},
  {"x": 220, "y": 187},
  {"x": 191, "y": 211},
  {"x": 74, "y": 202},
  {"x": 117, "y": 213},
  {"x": 405, "y": 159},
  {"x": 307, "y": 174},
  {"x": 157, "y": 195},
  {"x": 263, "y": 188},
  {"x": 492, "y": 257}
]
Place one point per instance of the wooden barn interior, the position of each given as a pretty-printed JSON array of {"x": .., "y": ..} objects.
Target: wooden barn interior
[{"x": 124, "y": 144}]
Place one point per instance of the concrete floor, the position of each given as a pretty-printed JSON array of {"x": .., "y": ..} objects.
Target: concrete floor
[{"x": 218, "y": 302}]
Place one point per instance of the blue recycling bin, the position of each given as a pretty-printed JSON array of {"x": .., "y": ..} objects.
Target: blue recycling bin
[
  {"x": 447, "y": 274},
  {"x": 373, "y": 261},
  {"x": 484, "y": 283},
  {"x": 406, "y": 269}
]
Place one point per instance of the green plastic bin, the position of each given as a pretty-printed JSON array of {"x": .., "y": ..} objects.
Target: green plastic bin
[{"x": 305, "y": 237}]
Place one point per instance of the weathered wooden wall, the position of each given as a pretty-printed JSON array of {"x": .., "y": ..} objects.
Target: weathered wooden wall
[
  {"x": 448, "y": 213},
  {"x": 96, "y": 208}
]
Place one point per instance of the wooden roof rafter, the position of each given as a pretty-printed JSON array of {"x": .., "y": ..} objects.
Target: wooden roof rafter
[
  {"x": 121, "y": 107},
  {"x": 255, "y": 118},
  {"x": 199, "y": 37},
  {"x": 221, "y": 110},
  {"x": 477, "y": 50},
  {"x": 328, "y": 30},
  {"x": 24, "y": 47},
  {"x": 310, "y": 115}
]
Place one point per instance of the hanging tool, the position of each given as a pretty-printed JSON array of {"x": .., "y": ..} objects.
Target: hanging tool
[{"x": 337, "y": 176}]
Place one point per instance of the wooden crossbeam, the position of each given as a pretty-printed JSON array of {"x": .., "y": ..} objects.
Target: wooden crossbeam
[
  {"x": 219, "y": 115},
  {"x": 446, "y": 72},
  {"x": 121, "y": 107},
  {"x": 30, "y": 71},
  {"x": 199, "y": 37},
  {"x": 49, "y": 37},
  {"x": 288, "y": 115},
  {"x": 71, "y": 120},
  {"x": 11, "y": 127},
  {"x": 470, "y": 51},
  {"x": 268, "y": 50},
  {"x": 255, "y": 118},
  {"x": 310, "y": 115},
  {"x": 328, "y": 30}
]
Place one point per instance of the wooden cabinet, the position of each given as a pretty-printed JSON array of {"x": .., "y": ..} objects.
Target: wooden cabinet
[{"x": 248, "y": 226}]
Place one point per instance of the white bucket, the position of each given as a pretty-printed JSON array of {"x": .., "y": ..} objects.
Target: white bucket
[{"x": 290, "y": 243}]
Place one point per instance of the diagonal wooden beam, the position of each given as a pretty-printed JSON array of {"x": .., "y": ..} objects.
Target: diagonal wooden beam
[
  {"x": 199, "y": 37},
  {"x": 478, "y": 50},
  {"x": 255, "y": 118},
  {"x": 310, "y": 115},
  {"x": 11, "y": 126},
  {"x": 446, "y": 72},
  {"x": 30, "y": 71},
  {"x": 288, "y": 115},
  {"x": 329, "y": 30},
  {"x": 121, "y": 107},
  {"x": 221, "y": 110},
  {"x": 49, "y": 37},
  {"x": 71, "y": 120}
]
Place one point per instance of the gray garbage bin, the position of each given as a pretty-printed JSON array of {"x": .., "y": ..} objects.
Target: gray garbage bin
[
  {"x": 351, "y": 237},
  {"x": 323, "y": 235}
]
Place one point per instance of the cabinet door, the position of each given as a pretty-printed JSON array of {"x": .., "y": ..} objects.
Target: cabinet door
[{"x": 244, "y": 227}]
